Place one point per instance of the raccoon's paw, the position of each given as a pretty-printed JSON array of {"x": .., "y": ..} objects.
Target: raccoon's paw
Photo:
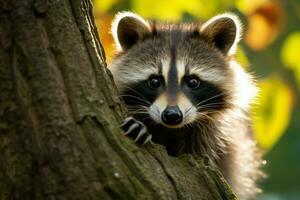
[{"x": 136, "y": 130}]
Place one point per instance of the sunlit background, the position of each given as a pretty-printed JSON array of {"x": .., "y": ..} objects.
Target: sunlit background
[{"x": 270, "y": 49}]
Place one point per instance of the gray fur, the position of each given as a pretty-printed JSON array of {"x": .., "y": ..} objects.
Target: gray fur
[{"x": 223, "y": 135}]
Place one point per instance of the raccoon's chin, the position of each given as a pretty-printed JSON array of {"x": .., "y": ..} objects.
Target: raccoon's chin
[
  {"x": 184, "y": 123},
  {"x": 173, "y": 126}
]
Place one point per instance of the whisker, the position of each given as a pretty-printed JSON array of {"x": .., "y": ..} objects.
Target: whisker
[
  {"x": 222, "y": 93},
  {"x": 139, "y": 94},
  {"x": 136, "y": 97},
  {"x": 211, "y": 105}
]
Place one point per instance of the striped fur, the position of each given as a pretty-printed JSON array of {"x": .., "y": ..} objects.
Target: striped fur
[{"x": 215, "y": 113}]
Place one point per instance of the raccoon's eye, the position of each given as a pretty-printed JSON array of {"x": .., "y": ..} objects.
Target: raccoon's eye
[
  {"x": 154, "y": 82},
  {"x": 193, "y": 82}
]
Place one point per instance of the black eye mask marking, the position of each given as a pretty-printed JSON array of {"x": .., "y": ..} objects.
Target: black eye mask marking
[
  {"x": 141, "y": 94},
  {"x": 206, "y": 97}
]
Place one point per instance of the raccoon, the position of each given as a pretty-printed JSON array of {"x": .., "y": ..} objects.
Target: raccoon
[{"x": 185, "y": 91}]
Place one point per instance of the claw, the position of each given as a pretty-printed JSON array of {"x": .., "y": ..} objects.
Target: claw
[
  {"x": 142, "y": 132},
  {"x": 131, "y": 128},
  {"x": 148, "y": 139},
  {"x": 127, "y": 120},
  {"x": 136, "y": 130}
]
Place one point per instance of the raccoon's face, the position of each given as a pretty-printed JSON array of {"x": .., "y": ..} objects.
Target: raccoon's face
[{"x": 175, "y": 74}]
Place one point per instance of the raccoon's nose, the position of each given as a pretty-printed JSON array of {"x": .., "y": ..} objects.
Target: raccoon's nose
[{"x": 172, "y": 115}]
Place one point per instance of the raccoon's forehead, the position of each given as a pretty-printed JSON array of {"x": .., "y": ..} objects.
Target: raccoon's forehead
[
  {"x": 204, "y": 66},
  {"x": 197, "y": 58},
  {"x": 139, "y": 63},
  {"x": 157, "y": 56}
]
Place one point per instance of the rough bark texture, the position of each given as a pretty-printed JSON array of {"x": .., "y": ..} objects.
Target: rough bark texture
[{"x": 60, "y": 116}]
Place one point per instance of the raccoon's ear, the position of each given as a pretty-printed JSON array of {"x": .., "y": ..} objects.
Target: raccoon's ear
[
  {"x": 224, "y": 31},
  {"x": 128, "y": 29}
]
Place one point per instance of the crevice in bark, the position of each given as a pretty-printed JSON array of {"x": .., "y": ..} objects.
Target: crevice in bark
[{"x": 170, "y": 178}]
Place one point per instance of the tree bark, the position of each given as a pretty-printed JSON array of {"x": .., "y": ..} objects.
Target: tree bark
[{"x": 60, "y": 116}]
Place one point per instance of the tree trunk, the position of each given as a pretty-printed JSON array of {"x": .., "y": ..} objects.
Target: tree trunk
[{"x": 60, "y": 116}]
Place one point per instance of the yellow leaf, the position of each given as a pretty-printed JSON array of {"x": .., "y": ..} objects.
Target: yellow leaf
[
  {"x": 104, "y": 5},
  {"x": 104, "y": 24},
  {"x": 266, "y": 22},
  {"x": 248, "y": 6},
  {"x": 273, "y": 111},
  {"x": 174, "y": 10},
  {"x": 290, "y": 54},
  {"x": 258, "y": 25}
]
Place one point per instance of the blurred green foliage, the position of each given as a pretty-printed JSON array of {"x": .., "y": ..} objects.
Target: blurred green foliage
[{"x": 272, "y": 47}]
